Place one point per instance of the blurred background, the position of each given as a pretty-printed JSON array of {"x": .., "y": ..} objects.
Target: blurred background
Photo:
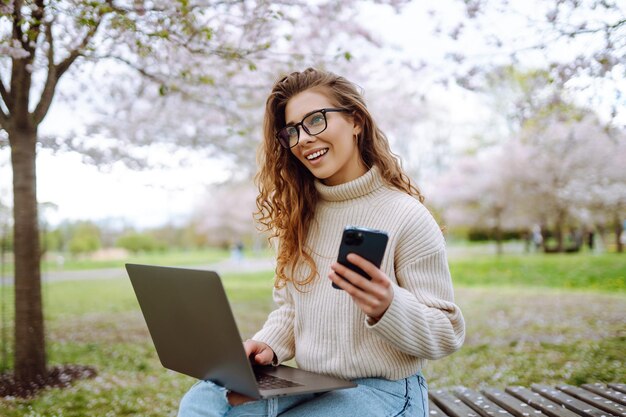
[
  {"x": 145, "y": 117},
  {"x": 509, "y": 115}
]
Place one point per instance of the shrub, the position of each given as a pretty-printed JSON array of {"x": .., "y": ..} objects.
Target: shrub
[{"x": 140, "y": 242}]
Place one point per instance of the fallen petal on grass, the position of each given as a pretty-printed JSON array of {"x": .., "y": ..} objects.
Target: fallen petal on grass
[{"x": 57, "y": 377}]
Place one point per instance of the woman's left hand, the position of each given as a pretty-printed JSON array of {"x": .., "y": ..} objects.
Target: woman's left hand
[{"x": 373, "y": 297}]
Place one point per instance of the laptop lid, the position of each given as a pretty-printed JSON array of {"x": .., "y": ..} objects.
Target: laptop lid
[
  {"x": 191, "y": 324},
  {"x": 194, "y": 332}
]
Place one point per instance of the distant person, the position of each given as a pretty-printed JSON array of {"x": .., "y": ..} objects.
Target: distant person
[
  {"x": 60, "y": 260},
  {"x": 324, "y": 165},
  {"x": 237, "y": 251},
  {"x": 537, "y": 237}
]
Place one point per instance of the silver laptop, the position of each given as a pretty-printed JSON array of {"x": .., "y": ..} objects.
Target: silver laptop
[{"x": 194, "y": 333}]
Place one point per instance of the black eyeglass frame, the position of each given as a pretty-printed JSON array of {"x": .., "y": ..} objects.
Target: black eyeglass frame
[{"x": 301, "y": 123}]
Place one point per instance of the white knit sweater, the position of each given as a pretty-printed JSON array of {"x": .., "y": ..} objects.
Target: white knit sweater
[{"x": 325, "y": 330}]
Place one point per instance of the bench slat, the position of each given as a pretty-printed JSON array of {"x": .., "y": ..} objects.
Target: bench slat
[
  {"x": 480, "y": 403},
  {"x": 434, "y": 410},
  {"x": 618, "y": 387},
  {"x": 577, "y": 406},
  {"x": 547, "y": 406},
  {"x": 513, "y": 405},
  {"x": 611, "y": 394},
  {"x": 596, "y": 400},
  {"x": 451, "y": 405}
]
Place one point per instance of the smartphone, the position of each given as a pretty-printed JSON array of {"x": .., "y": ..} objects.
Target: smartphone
[{"x": 367, "y": 243}]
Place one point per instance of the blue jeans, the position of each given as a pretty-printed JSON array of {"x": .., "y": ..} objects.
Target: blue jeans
[{"x": 372, "y": 397}]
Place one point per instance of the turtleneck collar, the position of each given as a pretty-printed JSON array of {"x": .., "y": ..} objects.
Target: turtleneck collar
[{"x": 365, "y": 184}]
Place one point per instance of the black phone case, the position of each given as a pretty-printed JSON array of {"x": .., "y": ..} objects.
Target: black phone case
[{"x": 371, "y": 245}]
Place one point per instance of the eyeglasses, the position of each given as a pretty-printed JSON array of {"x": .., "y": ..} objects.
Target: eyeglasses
[{"x": 313, "y": 123}]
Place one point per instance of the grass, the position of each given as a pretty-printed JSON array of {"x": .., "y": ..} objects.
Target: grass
[
  {"x": 170, "y": 257},
  {"x": 605, "y": 272},
  {"x": 547, "y": 319},
  {"x": 520, "y": 336}
]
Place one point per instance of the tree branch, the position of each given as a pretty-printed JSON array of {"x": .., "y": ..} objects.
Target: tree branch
[
  {"x": 5, "y": 96},
  {"x": 56, "y": 71},
  {"x": 51, "y": 81},
  {"x": 34, "y": 25},
  {"x": 606, "y": 28},
  {"x": 141, "y": 71},
  {"x": 4, "y": 119},
  {"x": 17, "y": 18},
  {"x": 67, "y": 62},
  {"x": 37, "y": 18}
]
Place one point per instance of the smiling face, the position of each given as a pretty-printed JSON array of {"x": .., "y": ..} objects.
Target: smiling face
[{"x": 333, "y": 155}]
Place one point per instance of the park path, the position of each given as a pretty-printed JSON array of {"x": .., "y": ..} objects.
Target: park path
[
  {"x": 225, "y": 266},
  {"x": 247, "y": 264}
]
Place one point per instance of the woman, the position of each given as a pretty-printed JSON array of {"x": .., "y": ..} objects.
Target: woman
[{"x": 324, "y": 164}]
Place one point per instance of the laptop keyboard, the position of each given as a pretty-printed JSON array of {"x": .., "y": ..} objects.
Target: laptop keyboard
[{"x": 265, "y": 381}]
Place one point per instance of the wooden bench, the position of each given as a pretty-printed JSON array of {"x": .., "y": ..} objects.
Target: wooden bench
[{"x": 589, "y": 400}]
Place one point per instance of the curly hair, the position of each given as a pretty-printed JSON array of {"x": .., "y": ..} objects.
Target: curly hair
[{"x": 287, "y": 195}]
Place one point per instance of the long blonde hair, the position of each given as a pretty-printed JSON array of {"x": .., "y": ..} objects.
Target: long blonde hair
[{"x": 287, "y": 195}]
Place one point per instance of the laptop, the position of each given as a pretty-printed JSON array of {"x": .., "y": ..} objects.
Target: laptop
[{"x": 194, "y": 332}]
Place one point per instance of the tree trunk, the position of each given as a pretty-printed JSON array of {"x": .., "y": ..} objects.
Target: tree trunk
[
  {"x": 618, "y": 234},
  {"x": 30, "y": 352},
  {"x": 560, "y": 222},
  {"x": 497, "y": 232},
  {"x": 4, "y": 336}
]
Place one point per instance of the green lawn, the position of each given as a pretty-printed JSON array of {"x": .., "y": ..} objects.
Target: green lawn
[
  {"x": 605, "y": 272},
  {"x": 171, "y": 257},
  {"x": 529, "y": 319}
]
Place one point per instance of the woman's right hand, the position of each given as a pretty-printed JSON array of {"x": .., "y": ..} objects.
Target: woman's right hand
[
  {"x": 259, "y": 352},
  {"x": 262, "y": 354}
]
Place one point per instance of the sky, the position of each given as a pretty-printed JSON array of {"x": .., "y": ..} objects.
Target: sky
[{"x": 155, "y": 197}]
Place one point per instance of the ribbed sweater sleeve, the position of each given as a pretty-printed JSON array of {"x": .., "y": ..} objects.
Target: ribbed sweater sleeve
[
  {"x": 422, "y": 319},
  {"x": 278, "y": 329}
]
